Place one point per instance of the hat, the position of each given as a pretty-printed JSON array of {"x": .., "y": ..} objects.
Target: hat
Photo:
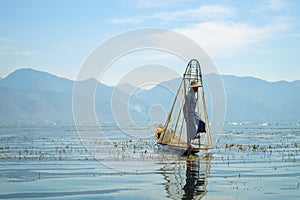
[{"x": 194, "y": 83}]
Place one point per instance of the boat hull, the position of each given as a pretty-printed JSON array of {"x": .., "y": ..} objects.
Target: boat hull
[{"x": 180, "y": 150}]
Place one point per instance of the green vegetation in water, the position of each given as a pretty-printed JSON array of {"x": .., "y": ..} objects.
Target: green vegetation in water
[
  {"x": 244, "y": 147},
  {"x": 193, "y": 157}
]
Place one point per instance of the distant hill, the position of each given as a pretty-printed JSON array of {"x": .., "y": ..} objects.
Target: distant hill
[
  {"x": 37, "y": 80},
  {"x": 247, "y": 98},
  {"x": 254, "y": 99},
  {"x": 29, "y": 95},
  {"x": 35, "y": 96}
]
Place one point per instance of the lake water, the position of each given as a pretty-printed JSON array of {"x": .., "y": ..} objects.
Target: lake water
[{"x": 51, "y": 162}]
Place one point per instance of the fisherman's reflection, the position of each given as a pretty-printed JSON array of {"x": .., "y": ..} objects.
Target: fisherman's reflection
[{"x": 187, "y": 179}]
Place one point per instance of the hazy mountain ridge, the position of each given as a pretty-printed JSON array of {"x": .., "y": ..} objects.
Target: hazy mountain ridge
[
  {"x": 258, "y": 100},
  {"x": 30, "y": 95},
  {"x": 37, "y": 80}
]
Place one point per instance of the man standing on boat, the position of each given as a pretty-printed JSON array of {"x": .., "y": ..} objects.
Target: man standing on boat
[{"x": 195, "y": 125}]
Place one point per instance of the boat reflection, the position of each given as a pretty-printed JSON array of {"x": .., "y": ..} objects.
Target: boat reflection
[{"x": 187, "y": 178}]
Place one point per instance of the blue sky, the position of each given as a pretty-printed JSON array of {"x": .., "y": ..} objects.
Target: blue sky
[{"x": 245, "y": 38}]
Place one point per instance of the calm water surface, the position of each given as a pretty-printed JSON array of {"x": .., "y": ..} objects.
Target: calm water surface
[{"x": 50, "y": 162}]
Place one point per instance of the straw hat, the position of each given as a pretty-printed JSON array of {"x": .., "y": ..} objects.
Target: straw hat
[{"x": 194, "y": 83}]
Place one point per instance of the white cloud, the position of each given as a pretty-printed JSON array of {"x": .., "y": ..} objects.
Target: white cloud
[
  {"x": 11, "y": 46},
  {"x": 4, "y": 50},
  {"x": 27, "y": 53},
  {"x": 205, "y": 12},
  {"x": 154, "y": 4},
  {"x": 295, "y": 35},
  {"x": 6, "y": 45},
  {"x": 7, "y": 40},
  {"x": 221, "y": 29},
  {"x": 275, "y": 5},
  {"x": 125, "y": 20},
  {"x": 145, "y": 3},
  {"x": 222, "y": 39}
]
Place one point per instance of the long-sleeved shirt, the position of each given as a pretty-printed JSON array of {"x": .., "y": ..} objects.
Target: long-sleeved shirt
[
  {"x": 191, "y": 102},
  {"x": 191, "y": 117}
]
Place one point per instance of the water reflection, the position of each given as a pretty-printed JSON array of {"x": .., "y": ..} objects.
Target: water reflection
[{"x": 187, "y": 178}]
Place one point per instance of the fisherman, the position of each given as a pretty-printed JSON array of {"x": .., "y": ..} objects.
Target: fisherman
[{"x": 195, "y": 125}]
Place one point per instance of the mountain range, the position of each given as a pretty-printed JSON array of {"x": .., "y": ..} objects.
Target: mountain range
[{"x": 28, "y": 95}]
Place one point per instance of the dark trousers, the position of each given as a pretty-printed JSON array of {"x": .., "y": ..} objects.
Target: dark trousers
[{"x": 201, "y": 127}]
